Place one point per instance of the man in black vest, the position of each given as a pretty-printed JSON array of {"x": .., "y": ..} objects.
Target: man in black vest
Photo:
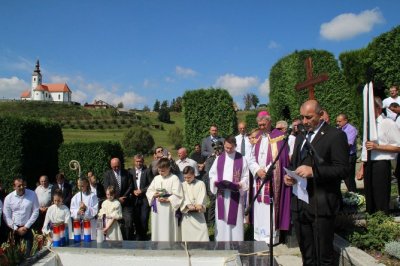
[{"x": 141, "y": 181}]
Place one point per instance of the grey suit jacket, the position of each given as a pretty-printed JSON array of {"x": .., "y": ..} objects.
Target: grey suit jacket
[{"x": 206, "y": 146}]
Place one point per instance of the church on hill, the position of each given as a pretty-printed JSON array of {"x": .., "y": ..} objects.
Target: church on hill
[{"x": 56, "y": 92}]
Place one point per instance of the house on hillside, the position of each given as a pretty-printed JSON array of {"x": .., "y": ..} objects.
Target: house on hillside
[
  {"x": 98, "y": 104},
  {"x": 56, "y": 92}
]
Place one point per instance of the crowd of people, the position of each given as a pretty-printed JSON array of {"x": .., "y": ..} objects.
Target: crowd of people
[{"x": 222, "y": 179}]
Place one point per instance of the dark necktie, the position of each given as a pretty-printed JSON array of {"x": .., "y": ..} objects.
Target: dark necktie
[
  {"x": 242, "y": 147},
  {"x": 306, "y": 148}
]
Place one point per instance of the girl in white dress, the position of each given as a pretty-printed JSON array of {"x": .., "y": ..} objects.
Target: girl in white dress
[
  {"x": 112, "y": 210},
  {"x": 194, "y": 226}
]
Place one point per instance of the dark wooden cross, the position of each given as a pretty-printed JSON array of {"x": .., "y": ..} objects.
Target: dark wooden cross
[{"x": 311, "y": 80}]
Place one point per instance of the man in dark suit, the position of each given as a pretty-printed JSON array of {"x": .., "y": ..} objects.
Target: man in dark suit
[
  {"x": 96, "y": 187},
  {"x": 66, "y": 188},
  {"x": 314, "y": 221},
  {"x": 141, "y": 181},
  {"x": 206, "y": 145},
  {"x": 122, "y": 182}
]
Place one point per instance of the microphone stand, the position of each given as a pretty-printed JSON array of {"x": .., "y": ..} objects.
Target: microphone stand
[
  {"x": 268, "y": 177},
  {"x": 316, "y": 160}
]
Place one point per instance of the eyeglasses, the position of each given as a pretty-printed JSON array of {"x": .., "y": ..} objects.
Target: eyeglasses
[
  {"x": 279, "y": 128},
  {"x": 262, "y": 124}
]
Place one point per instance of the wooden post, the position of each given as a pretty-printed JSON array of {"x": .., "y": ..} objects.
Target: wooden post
[{"x": 311, "y": 80}]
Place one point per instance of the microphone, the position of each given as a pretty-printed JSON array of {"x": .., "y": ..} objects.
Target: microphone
[
  {"x": 301, "y": 129},
  {"x": 304, "y": 132}
]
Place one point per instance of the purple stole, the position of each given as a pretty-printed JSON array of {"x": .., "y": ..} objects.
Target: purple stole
[
  {"x": 264, "y": 198},
  {"x": 282, "y": 193},
  {"x": 223, "y": 185}
]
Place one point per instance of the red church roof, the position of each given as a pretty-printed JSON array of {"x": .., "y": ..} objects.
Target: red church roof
[
  {"x": 26, "y": 94},
  {"x": 56, "y": 87}
]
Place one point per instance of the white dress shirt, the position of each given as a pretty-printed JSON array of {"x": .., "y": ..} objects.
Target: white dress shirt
[
  {"x": 138, "y": 172},
  {"x": 385, "y": 104},
  {"x": 44, "y": 195},
  {"x": 21, "y": 210},
  {"x": 388, "y": 134},
  {"x": 247, "y": 145},
  {"x": 187, "y": 162}
]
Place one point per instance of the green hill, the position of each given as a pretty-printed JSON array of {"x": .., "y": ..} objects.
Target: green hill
[{"x": 87, "y": 125}]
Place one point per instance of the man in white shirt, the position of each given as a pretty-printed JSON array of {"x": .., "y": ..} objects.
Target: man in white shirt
[
  {"x": 21, "y": 209},
  {"x": 393, "y": 92},
  {"x": 184, "y": 161},
  {"x": 43, "y": 192},
  {"x": 377, "y": 170},
  {"x": 243, "y": 143}
]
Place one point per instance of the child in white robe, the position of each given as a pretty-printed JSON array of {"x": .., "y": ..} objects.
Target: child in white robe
[
  {"x": 194, "y": 226},
  {"x": 57, "y": 213},
  {"x": 165, "y": 196},
  {"x": 112, "y": 210},
  {"x": 84, "y": 205}
]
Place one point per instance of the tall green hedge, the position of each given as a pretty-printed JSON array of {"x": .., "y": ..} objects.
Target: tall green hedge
[
  {"x": 384, "y": 57},
  {"x": 381, "y": 56},
  {"x": 334, "y": 95},
  {"x": 205, "y": 107},
  {"x": 29, "y": 148},
  {"x": 93, "y": 156}
]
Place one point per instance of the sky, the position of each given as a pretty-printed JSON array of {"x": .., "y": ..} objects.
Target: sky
[{"x": 137, "y": 51}]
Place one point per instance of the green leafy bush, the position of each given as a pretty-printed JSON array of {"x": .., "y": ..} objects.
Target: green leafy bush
[
  {"x": 205, "y": 107},
  {"x": 379, "y": 229},
  {"x": 334, "y": 94},
  {"x": 94, "y": 156},
  {"x": 29, "y": 148},
  {"x": 251, "y": 121},
  {"x": 176, "y": 137},
  {"x": 137, "y": 140},
  {"x": 164, "y": 116}
]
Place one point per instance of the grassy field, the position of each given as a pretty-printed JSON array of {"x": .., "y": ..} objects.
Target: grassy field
[{"x": 160, "y": 135}]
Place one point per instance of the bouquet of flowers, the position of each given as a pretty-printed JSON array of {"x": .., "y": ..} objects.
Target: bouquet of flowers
[{"x": 353, "y": 199}]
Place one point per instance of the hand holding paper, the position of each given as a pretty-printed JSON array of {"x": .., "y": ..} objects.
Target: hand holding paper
[{"x": 300, "y": 187}]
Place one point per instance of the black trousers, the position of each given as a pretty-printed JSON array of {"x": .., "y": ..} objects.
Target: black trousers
[
  {"x": 141, "y": 220},
  {"x": 127, "y": 228},
  {"x": 350, "y": 180},
  {"x": 377, "y": 185},
  {"x": 397, "y": 173},
  {"x": 312, "y": 234}
]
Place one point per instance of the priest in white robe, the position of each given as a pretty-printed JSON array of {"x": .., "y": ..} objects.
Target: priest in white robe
[
  {"x": 263, "y": 154},
  {"x": 229, "y": 176},
  {"x": 165, "y": 197}
]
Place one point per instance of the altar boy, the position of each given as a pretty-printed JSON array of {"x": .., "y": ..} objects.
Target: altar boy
[{"x": 165, "y": 197}]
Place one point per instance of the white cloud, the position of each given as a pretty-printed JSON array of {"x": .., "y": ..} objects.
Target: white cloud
[
  {"x": 79, "y": 96},
  {"x": 236, "y": 85},
  {"x": 129, "y": 99},
  {"x": 58, "y": 79},
  {"x": 84, "y": 91},
  {"x": 273, "y": 45},
  {"x": 11, "y": 88},
  {"x": 348, "y": 25},
  {"x": 185, "y": 72},
  {"x": 169, "y": 80},
  {"x": 264, "y": 87}
]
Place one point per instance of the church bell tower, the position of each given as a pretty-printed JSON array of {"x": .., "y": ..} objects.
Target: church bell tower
[{"x": 36, "y": 78}]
